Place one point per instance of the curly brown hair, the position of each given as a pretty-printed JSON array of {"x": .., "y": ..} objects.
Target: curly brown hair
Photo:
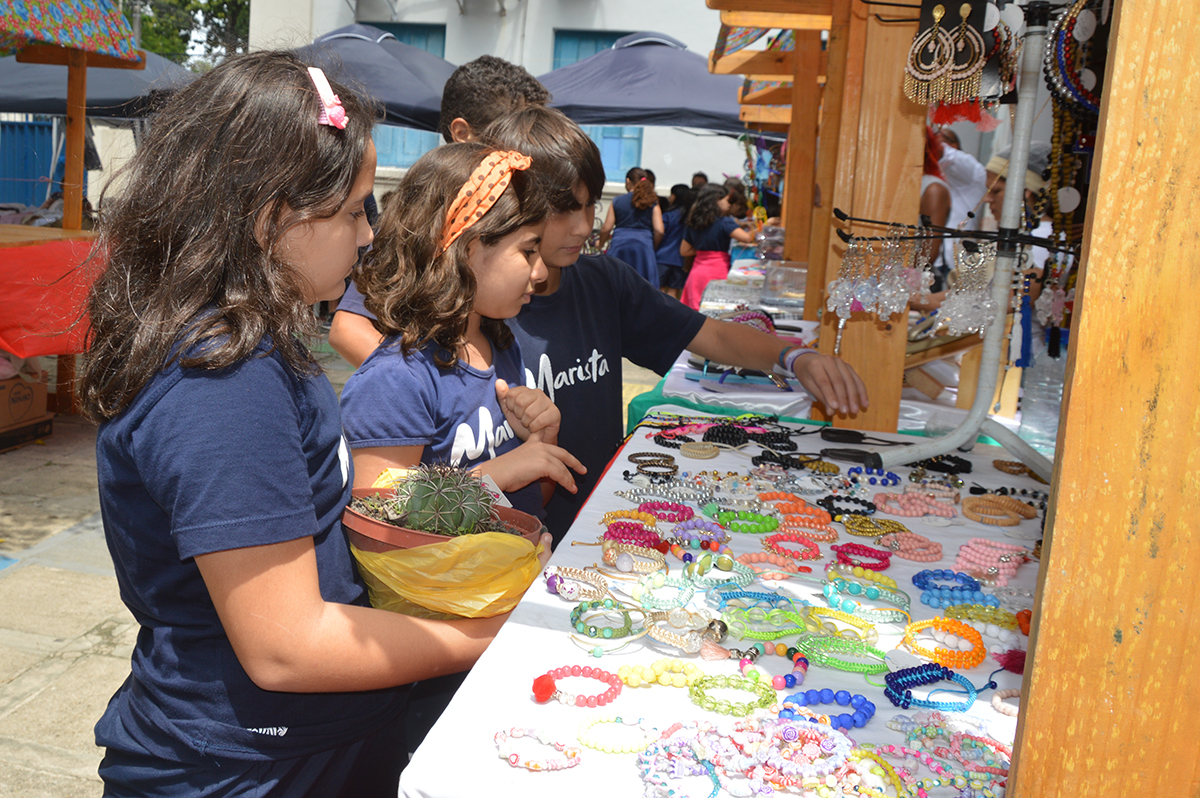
[
  {"x": 643, "y": 192},
  {"x": 420, "y": 296},
  {"x": 187, "y": 249}
]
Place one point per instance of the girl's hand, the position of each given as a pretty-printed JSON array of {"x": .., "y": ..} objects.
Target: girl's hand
[
  {"x": 530, "y": 412},
  {"x": 531, "y": 461},
  {"x": 832, "y": 382}
]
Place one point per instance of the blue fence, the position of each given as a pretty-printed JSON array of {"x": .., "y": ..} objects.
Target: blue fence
[{"x": 26, "y": 155}]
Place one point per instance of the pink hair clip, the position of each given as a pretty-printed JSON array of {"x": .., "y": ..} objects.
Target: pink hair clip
[{"x": 332, "y": 112}]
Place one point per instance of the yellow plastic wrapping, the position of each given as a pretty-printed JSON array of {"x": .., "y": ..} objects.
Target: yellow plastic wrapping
[{"x": 472, "y": 576}]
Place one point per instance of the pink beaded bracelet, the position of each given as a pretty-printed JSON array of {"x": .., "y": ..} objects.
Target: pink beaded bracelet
[
  {"x": 912, "y": 505},
  {"x": 545, "y": 687},
  {"x": 672, "y": 512},
  {"x": 911, "y": 546},
  {"x": 995, "y": 559},
  {"x": 632, "y": 533},
  {"x": 569, "y": 758},
  {"x": 846, "y": 552}
]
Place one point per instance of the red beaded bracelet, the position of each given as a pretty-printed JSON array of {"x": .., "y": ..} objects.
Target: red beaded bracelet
[
  {"x": 811, "y": 550},
  {"x": 846, "y": 550},
  {"x": 545, "y": 689},
  {"x": 672, "y": 512}
]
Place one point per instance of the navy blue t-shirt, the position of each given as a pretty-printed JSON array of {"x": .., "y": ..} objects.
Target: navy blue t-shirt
[
  {"x": 714, "y": 238},
  {"x": 206, "y": 461},
  {"x": 395, "y": 399},
  {"x": 572, "y": 342},
  {"x": 667, "y": 253}
]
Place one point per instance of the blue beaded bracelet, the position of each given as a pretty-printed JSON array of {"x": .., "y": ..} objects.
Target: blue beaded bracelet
[
  {"x": 864, "y": 710},
  {"x": 926, "y": 580},
  {"x": 899, "y": 683},
  {"x": 873, "y": 476},
  {"x": 940, "y": 598}
]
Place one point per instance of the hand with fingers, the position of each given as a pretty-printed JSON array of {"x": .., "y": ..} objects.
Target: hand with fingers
[
  {"x": 832, "y": 382},
  {"x": 529, "y": 412},
  {"x": 531, "y": 461}
]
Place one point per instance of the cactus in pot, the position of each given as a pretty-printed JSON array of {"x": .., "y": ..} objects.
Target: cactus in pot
[{"x": 439, "y": 499}]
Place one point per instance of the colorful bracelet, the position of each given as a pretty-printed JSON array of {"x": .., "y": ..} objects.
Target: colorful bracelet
[
  {"x": 997, "y": 510},
  {"x": 872, "y": 476},
  {"x": 863, "y": 710},
  {"x": 899, "y": 684},
  {"x": 633, "y": 534},
  {"x": 956, "y": 635},
  {"x": 545, "y": 687},
  {"x": 622, "y": 557},
  {"x": 836, "y": 570},
  {"x": 785, "y": 623},
  {"x": 846, "y": 552},
  {"x": 784, "y": 566},
  {"x": 604, "y": 632},
  {"x": 813, "y": 623},
  {"x": 645, "y": 519},
  {"x": 673, "y": 512},
  {"x": 747, "y": 522},
  {"x": 569, "y": 759},
  {"x": 574, "y": 584},
  {"x": 830, "y": 504},
  {"x": 699, "y": 696},
  {"x": 911, "y": 546},
  {"x": 701, "y": 529},
  {"x": 643, "y": 591},
  {"x": 666, "y": 672},
  {"x": 811, "y": 551},
  {"x": 831, "y": 652},
  {"x": 835, "y": 594},
  {"x": 865, "y": 526},
  {"x": 649, "y": 735}
]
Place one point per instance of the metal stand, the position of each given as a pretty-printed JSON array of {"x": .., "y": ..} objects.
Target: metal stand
[{"x": 1037, "y": 14}]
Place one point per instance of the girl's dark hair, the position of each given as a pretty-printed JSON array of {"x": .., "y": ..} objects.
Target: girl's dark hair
[
  {"x": 422, "y": 296},
  {"x": 683, "y": 197},
  {"x": 643, "y": 189},
  {"x": 190, "y": 271},
  {"x": 705, "y": 210},
  {"x": 563, "y": 155}
]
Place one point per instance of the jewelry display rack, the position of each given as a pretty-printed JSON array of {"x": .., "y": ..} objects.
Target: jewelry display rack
[{"x": 978, "y": 420}]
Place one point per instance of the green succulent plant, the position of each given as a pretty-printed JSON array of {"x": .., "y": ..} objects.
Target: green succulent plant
[{"x": 439, "y": 499}]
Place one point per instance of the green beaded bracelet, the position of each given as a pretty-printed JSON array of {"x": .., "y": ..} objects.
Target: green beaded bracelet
[
  {"x": 764, "y": 691},
  {"x": 757, "y": 523},
  {"x": 821, "y": 651},
  {"x": 605, "y": 632}
]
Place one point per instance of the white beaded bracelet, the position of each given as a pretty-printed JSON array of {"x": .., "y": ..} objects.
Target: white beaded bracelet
[
  {"x": 1003, "y": 708},
  {"x": 569, "y": 758}
]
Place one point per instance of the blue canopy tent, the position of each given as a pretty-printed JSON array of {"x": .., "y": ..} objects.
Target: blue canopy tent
[
  {"x": 405, "y": 80},
  {"x": 111, "y": 93},
  {"x": 647, "y": 78}
]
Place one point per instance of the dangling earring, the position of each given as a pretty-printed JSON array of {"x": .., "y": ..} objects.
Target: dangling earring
[
  {"x": 930, "y": 58},
  {"x": 966, "y": 78}
]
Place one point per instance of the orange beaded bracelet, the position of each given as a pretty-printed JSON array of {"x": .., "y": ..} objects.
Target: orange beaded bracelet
[{"x": 955, "y": 659}]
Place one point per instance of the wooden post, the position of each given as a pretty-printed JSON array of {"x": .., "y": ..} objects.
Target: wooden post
[
  {"x": 847, "y": 39},
  {"x": 802, "y": 145},
  {"x": 1109, "y": 706},
  {"x": 76, "y": 127},
  {"x": 886, "y": 184}
]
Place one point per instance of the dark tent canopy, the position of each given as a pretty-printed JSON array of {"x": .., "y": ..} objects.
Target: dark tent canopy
[
  {"x": 646, "y": 79},
  {"x": 112, "y": 93}
]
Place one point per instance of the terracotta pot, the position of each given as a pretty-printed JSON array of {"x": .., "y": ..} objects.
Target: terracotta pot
[{"x": 369, "y": 534}]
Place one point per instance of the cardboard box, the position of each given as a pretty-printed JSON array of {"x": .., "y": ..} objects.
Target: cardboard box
[
  {"x": 22, "y": 434},
  {"x": 21, "y": 402}
]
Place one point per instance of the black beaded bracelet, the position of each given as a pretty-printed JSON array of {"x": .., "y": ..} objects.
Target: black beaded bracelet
[
  {"x": 829, "y": 503},
  {"x": 779, "y": 441},
  {"x": 672, "y": 442},
  {"x": 788, "y": 461},
  {"x": 944, "y": 464},
  {"x": 726, "y": 434}
]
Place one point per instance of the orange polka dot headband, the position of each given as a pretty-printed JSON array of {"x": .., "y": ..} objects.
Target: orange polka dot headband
[{"x": 477, "y": 196}]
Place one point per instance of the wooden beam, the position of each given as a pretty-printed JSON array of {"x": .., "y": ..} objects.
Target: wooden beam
[
  {"x": 776, "y": 63},
  {"x": 802, "y": 147},
  {"x": 774, "y": 6},
  {"x": 58, "y": 56},
  {"x": 756, "y": 19},
  {"x": 775, "y": 95},
  {"x": 77, "y": 61},
  {"x": 767, "y": 127},
  {"x": 765, "y": 114},
  {"x": 886, "y": 177},
  {"x": 1106, "y": 702},
  {"x": 845, "y": 55}
]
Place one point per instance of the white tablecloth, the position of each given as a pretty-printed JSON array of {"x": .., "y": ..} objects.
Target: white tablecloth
[{"x": 459, "y": 757}]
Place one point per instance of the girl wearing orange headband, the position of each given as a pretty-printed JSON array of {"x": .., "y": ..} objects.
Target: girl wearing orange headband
[{"x": 456, "y": 254}]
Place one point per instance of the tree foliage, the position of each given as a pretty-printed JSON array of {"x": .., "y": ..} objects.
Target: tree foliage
[{"x": 197, "y": 33}]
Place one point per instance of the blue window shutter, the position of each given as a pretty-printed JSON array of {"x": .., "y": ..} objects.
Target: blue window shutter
[
  {"x": 401, "y": 146},
  {"x": 620, "y": 147}
]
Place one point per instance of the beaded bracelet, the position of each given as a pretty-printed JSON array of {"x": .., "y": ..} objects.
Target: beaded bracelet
[
  {"x": 847, "y": 551},
  {"x": 747, "y": 522},
  {"x": 872, "y": 476},
  {"x": 666, "y": 672},
  {"x": 622, "y": 557},
  {"x": 829, "y": 652},
  {"x": 792, "y": 505},
  {"x": 605, "y": 632},
  {"x": 699, "y": 696},
  {"x": 681, "y": 619},
  {"x": 672, "y": 512},
  {"x": 779, "y": 682},
  {"x": 838, "y": 570},
  {"x": 702, "y": 529},
  {"x": 641, "y": 517},
  {"x": 811, "y": 551},
  {"x": 899, "y": 684},
  {"x": 830, "y": 504},
  {"x": 863, "y": 710},
  {"x": 944, "y": 464},
  {"x": 633, "y": 534},
  {"x": 889, "y": 773},
  {"x": 574, "y": 584},
  {"x": 725, "y": 596},
  {"x": 643, "y": 591},
  {"x": 959, "y": 634},
  {"x": 663, "y": 761},
  {"x": 1003, "y": 708},
  {"x": 819, "y": 621},
  {"x": 997, "y": 510},
  {"x": 834, "y": 595},
  {"x": 650, "y": 458},
  {"x": 911, "y": 546},
  {"x": 966, "y": 589},
  {"x": 569, "y": 759},
  {"x": 724, "y": 554},
  {"x": 785, "y": 623},
  {"x": 785, "y": 567},
  {"x": 721, "y": 570},
  {"x": 649, "y": 735},
  {"x": 996, "y": 559},
  {"x": 912, "y": 505},
  {"x": 865, "y": 526},
  {"x": 545, "y": 687},
  {"x": 699, "y": 450},
  {"x": 982, "y": 613}
]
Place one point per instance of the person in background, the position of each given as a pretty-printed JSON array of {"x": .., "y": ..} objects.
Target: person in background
[
  {"x": 936, "y": 203},
  {"x": 635, "y": 223},
  {"x": 968, "y": 183},
  {"x": 707, "y": 234},
  {"x": 699, "y": 181},
  {"x": 671, "y": 273},
  {"x": 482, "y": 90}
]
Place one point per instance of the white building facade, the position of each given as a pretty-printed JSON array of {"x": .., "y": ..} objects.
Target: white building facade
[{"x": 532, "y": 33}]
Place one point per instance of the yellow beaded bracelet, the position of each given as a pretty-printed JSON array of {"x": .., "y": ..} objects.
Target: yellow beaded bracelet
[
  {"x": 645, "y": 519},
  {"x": 649, "y": 735},
  {"x": 666, "y": 672}
]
